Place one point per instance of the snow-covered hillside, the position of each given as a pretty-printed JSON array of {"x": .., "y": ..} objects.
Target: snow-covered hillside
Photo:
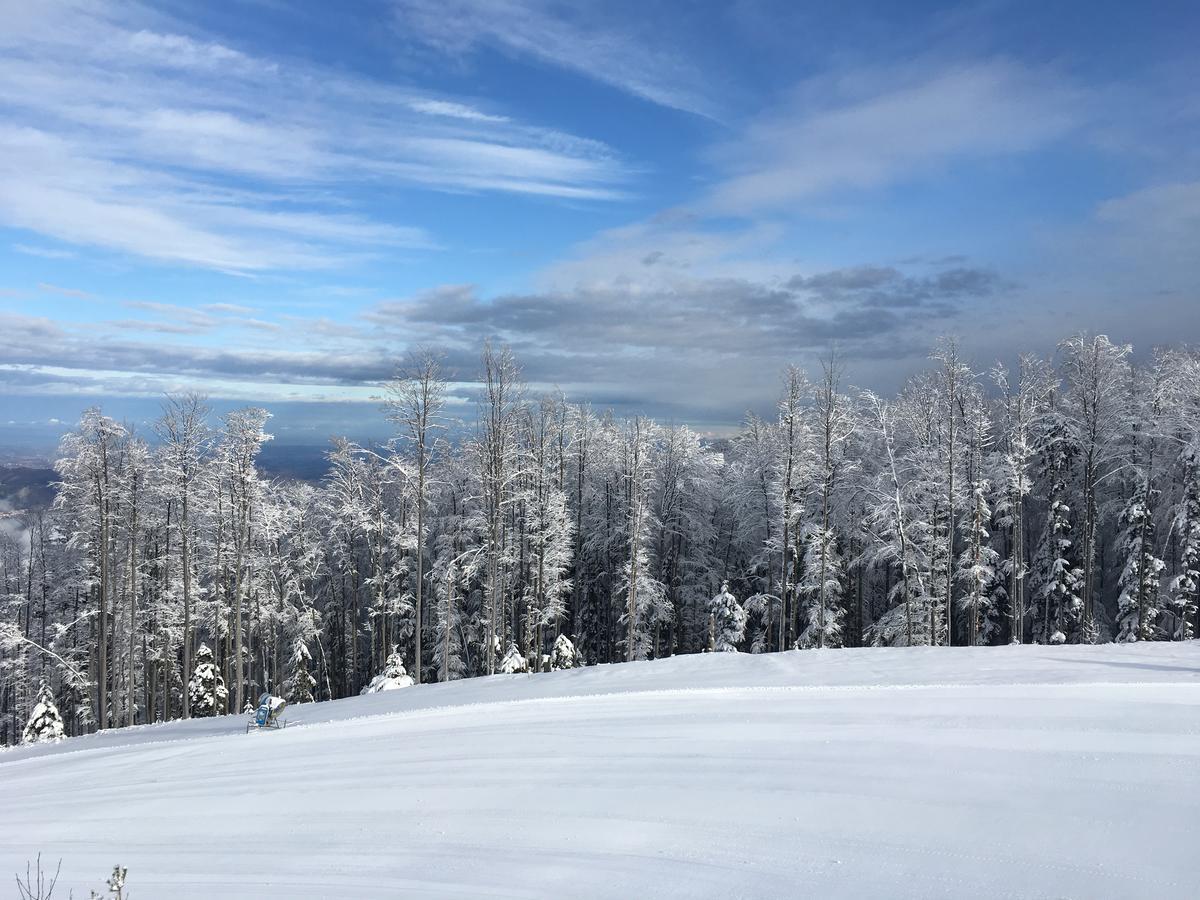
[{"x": 990, "y": 772}]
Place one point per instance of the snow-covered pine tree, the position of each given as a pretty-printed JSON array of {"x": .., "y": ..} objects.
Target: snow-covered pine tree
[
  {"x": 729, "y": 621},
  {"x": 978, "y": 560},
  {"x": 301, "y": 684},
  {"x": 393, "y": 677},
  {"x": 1185, "y": 586},
  {"x": 1138, "y": 603},
  {"x": 1057, "y": 608},
  {"x": 513, "y": 662},
  {"x": 1096, "y": 372},
  {"x": 562, "y": 654},
  {"x": 977, "y": 564},
  {"x": 821, "y": 590},
  {"x": 1140, "y": 600},
  {"x": 762, "y": 621},
  {"x": 45, "y": 725},
  {"x": 206, "y": 690},
  {"x": 954, "y": 381}
]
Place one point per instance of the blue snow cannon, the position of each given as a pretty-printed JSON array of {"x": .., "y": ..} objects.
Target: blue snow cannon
[{"x": 267, "y": 715}]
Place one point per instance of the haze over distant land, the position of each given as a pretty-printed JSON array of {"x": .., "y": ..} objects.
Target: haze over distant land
[{"x": 657, "y": 205}]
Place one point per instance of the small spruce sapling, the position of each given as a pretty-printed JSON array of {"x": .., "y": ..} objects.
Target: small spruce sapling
[
  {"x": 728, "y": 621},
  {"x": 563, "y": 654},
  {"x": 206, "y": 690},
  {"x": 393, "y": 676},
  {"x": 513, "y": 661},
  {"x": 45, "y": 725},
  {"x": 301, "y": 685}
]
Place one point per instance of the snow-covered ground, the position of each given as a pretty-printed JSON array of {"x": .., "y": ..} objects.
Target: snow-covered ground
[{"x": 992, "y": 772}]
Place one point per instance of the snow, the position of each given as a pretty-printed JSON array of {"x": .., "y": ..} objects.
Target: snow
[{"x": 986, "y": 772}]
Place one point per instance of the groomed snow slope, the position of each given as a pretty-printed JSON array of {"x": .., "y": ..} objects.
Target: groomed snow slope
[{"x": 991, "y": 772}]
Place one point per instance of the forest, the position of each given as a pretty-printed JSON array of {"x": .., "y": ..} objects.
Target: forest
[{"x": 1054, "y": 502}]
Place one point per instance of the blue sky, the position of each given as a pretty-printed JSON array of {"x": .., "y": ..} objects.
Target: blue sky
[{"x": 657, "y": 204}]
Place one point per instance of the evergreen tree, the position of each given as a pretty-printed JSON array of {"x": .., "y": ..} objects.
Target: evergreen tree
[
  {"x": 977, "y": 566},
  {"x": 1138, "y": 604},
  {"x": 206, "y": 691},
  {"x": 1057, "y": 609},
  {"x": 562, "y": 654},
  {"x": 513, "y": 662},
  {"x": 45, "y": 725},
  {"x": 301, "y": 684},
  {"x": 1185, "y": 587},
  {"x": 393, "y": 676},
  {"x": 821, "y": 590},
  {"x": 729, "y": 621}
]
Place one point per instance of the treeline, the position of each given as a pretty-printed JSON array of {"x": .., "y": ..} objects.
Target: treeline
[{"x": 1057, "y": 503}]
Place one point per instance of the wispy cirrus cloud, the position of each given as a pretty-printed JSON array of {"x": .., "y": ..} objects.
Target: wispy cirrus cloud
[
  {"x": 874, "y": 126},
  {"x": 119, "y": 131},
  {"x": 575, "y": 36},
  {"x": 43, "y": 252},
  {"x": 48, "y": 288}
]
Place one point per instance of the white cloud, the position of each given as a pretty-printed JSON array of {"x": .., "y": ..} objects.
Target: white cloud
[
  {"x": 122, "y": 132},
  {"x": 875, "y": 127},
  {"x": 454, "y": 111},
  {"x": 573, "y": 36},
  {"x": 44, "y": 252},
  {"x": 1157, "y": 223}
]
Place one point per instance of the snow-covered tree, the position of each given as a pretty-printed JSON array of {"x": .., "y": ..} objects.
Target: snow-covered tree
[
  {"x": 88, "y": 459},
  {"x": 563, "y": 654},
  {"x": 1056, "y": 612},
  {"x": 549, "y": 529},
  {"x": 978, "y": 561},
  {"x": 729, "y": 621},
  {"x": 45, "y": 725},
  {"x": 821, "y": 585},
  {"x": 242, "y": 439},
  {"x": 301, "y": 683},
  {"x": 513, "y": 661},
  {"x": 184, "y": 435},
  {"x": 953, "y": 381},
  {"x": 1024, "y": 401},
  {"x": 1095, "y": 403},
  {"x": 646, "y": 607},
  {"x": 206, "y": 690},
  {"x": 893, "y": 521},
  {"x": 415, "y": 400},
  {"x": 1184, "y": 591},
  {"x": 821, "y": 590},
  {"x": 791, "y": 470},
  {"x": 392, "y": 677},
  {"x": 1139, "y": 601}
]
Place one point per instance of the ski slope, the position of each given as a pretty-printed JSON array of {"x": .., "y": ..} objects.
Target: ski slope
[{"x": 990, "y": 772}]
